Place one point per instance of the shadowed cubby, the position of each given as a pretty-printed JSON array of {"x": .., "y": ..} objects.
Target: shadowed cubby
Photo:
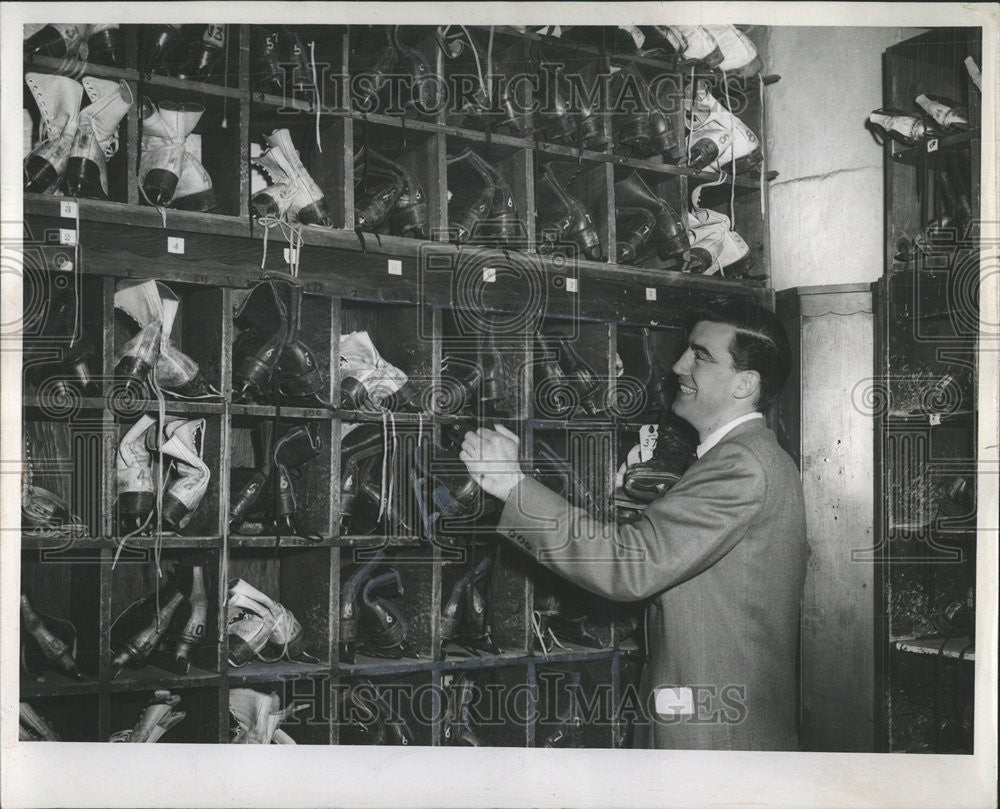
[
  {"x": 62, "y": 586},
  {"x": 74, "y": 719},
  {"x": 575, "y": 705}
]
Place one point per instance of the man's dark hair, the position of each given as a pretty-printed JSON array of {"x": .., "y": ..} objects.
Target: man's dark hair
[{"x": 760, "y": 344}]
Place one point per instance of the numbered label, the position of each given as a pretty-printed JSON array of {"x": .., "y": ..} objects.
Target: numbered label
[
  {"x": 489, "y": 275},
  {"x": 68, "y": 209},
  {"x": 572, "y": 285},
  {"x": 291, "y": 255},
  {"x": 67, "y": 236},
  {"x": 395, "y": 266},
  {"x": 175, "y": 244},
  {"x": 650, "y": 293}
]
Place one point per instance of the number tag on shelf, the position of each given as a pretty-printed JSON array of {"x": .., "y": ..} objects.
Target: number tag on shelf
[
  {"x": 67, "y": 236},
  {"x": 572, "y": 285},
  {"x": 175, "y": 244}
]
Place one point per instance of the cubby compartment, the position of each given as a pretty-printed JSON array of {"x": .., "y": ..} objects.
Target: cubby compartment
[
  {"x": 63, "y": 336},
  {"x": 565, "y": 617},
  {"x": 651, "y": 219},
  {"x": 281, "y": 344},
  {"x": 60, "y": 604},
  {"x": 299, "y": 580},
  {"x": 213, "y": 146},
  {"x": 47, "y": 92},
  {"x": 361, "y": 355},
  {"x": 199, "y": 706},
  {"x": 63, "y": 475},
  {"x": 386, "y": 605},
  {"x": 643, "y": 383},
  {"x": 72, "y": 719},
  {"x": 470, "y": 588},
  {"x": 304, "y": 698},
  {"x": 646, "y": 112},
  {"x": 571, "y": 371},
  {"x": 400, "y": 709},
  {"x": 394, "y": 71},
  {"x": 493, "y": 98},
  {"x": 280, "y": 477},
  {"x": 190, "y": 449},
  {"x": 196, "y": 316},
  {"x": 207, "y": 53},
  {"x": 575, "y": 705},
  {"x": 164, "y": 629},
  {"x": 484, "y": 361},
  {"x": 569, "y": 197},
  {"x": 284, "y": 60},
  {"x": 489, "y": 193},
  {"x": 499, "y": 705}
]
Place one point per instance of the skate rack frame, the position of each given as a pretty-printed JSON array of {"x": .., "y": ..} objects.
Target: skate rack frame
[{"x": 388, "y": 288}]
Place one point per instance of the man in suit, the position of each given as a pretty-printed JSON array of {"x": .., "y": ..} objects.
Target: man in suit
[{"x": 720, "y": 557}]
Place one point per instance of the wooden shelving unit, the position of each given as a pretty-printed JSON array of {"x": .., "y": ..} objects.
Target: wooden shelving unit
[{"x": 348, "y": 287}]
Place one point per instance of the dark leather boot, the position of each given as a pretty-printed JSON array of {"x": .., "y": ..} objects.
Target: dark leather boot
[
  {"x": 297, "y": 371},
  {"x": 242, "y": 502},
  {"x": 382, "y": 628},
  {"x": 457, "y": 724},
  {"x": 563, "y": 219},
  {"x": 669, "y": 236},
  {"x": 633, "y": 229},
  {"x": 501, "y": 227},
  {"x": 554, "y": 397},
  {"x": 674, "y": 453},
  {"x": 350, "y": 605},
  {"x": 296, "y": 447},
  {"x": 264, "y": 321},
  {"x": 267, "y": 75},
  {"x": 472, "y": 190},
  {"x": 162, "y": 48},
  {"x": 464, "y": 618},
  {"x": 417, "y": 57}
]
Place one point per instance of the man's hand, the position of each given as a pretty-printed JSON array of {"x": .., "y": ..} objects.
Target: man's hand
[{"x": 492, "y": 459}]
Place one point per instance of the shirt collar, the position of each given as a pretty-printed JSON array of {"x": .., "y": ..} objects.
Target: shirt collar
[{"x": 715, "y": 437}]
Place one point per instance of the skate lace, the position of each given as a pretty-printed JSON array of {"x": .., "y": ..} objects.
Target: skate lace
[
  {"x": 732, "y": 152},
  {"x": 536, "y": 626},
  {"x": 292, "y": 231}
]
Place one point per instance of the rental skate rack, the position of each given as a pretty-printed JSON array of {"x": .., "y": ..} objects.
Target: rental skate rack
[{"x": 347, "y": 288}]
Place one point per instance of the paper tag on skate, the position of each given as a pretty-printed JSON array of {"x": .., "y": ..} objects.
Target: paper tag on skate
[{"x": 674, "y": 701}]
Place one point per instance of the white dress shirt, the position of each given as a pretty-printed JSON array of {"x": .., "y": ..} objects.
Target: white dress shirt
[{"x": 715, "y": 437}]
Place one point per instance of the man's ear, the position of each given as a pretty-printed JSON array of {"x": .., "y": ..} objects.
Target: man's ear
[{"x": 747, "y": 384}]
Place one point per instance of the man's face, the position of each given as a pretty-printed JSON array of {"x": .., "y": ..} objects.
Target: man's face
[{"x": 707, "y": 378}]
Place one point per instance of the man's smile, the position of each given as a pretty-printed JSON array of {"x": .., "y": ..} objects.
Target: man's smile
[{"x": 686, "y": 390}]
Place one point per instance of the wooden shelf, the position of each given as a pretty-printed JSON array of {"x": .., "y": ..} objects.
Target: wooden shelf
[
  {"x": 151, "y": 677},
  {"x": 56, "y": 684},
  {"x": 258, "y": 672}
]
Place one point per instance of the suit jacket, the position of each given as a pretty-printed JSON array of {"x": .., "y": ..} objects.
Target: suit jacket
[{"x": 722, "y": 557}]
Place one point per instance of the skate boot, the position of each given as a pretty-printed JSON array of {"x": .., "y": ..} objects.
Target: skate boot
[
  {"x": 554, "y": 397},
  {"x": 257, "y": 717},
  {"x": 739, "y": 54},
  {"x": 264, "y": 321},
  {"x": 242, "y": 502},
  {"x": 183, "y": 443},
  {"x": 694, "y": 43},
  {"x": 138, "y": 630},
  {"x": 563, "y": 218},
  {"x": 630, "y": 126},
  {"x": 57, "y": 40},
  {"x": 194, "y": 191},
  {"x": 946, "y": 114},
  {"x": 294, "y": 193},
  {"x": 55, "y": 650},
  {"x": 153, "y": 306},
  {"x": 674, "y": 453},
  {"x": 162, "y": 48},
  {"x": 669, "y": 238},
  {"x": 205, "y": 53},
  {"x": 134, "y": 476},
  {"x": 464, "y": 619},
  {"x": 104, "y": 44},
  {"x": 720, "y": 140},
  {"x": 164, "y": 130},
  {"x": 580, "y": 376},
  {"x": 714, "y": 243},
  {"x": 58, "y": 99},
  {"x": 901, "y": 126},
  {"x": 298, "y": 369},
  {"x": 366, "y": 377},
  {"x": 375, "y": 202},
  {"x": 472, "y": 196},
  {"x": 97, "y": 137},
  {"x": 286, "y": 640},
  {"x": 193, "y": 632},
  {"x": 501, "y": 227},
  {"x": 297, "y": 447},
  {"x": 457, "y": 725},
  {"x": 633, "y": 229},
  {"x": 250, "y": 626},
  {"x": 382, "y": 626},
  {"x": 157, "y": 718},
  {"x": 350, "y": 606}
]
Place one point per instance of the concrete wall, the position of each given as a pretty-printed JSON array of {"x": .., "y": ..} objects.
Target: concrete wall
[{"x": 825, "y": 207}]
